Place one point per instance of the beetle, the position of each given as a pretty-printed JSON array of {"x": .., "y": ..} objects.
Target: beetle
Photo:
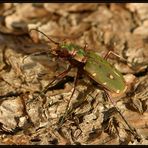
[
  {"x": 90, "y": 63},
  {"x": 93, "y": 65}
]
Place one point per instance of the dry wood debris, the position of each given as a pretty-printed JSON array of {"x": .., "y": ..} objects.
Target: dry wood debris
[{"x": 27, "y": 119}]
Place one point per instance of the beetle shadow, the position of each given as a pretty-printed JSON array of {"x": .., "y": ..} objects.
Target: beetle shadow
[{"x": 81, "y": 101}]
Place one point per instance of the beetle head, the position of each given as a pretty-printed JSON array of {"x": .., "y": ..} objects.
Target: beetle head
[{"x": 63, "y": 53}]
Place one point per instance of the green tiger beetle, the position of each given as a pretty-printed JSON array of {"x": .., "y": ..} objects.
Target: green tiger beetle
[{"x": 90, "y": 63}]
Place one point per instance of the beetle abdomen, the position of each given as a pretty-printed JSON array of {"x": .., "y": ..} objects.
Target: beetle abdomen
[{"x": 104, "y": 73}]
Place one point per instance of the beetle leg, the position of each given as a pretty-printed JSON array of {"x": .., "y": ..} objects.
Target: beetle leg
[
  {"x": 60, "y": 76},
  {"x": 85, "y": 46},
  {"x": 132, "y": 130},
  {"x": 66, "y": 112},
  {"x": 113, "y": 53},
  {"x": 33, "y": 54},
  {"x": 108, "y": 96}
]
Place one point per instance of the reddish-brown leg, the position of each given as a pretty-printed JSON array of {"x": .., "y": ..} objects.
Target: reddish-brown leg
[
  {"x": 132, "y": 130},
  {"x": 85, "y": 47},
  {"x": 109, "y": 98},
  {"x": 32, "y": 54},
  {"x": 60, "y": 76},
  {"x": 108, "y": 54},
  {"x": 113, "y": 53},
  {"x": 66, "y": 112}
]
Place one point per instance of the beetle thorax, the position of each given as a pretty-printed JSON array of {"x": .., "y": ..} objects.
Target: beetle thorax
[
  {"x": 79, "y": 57},
  {"x": 71, "y": 52}
]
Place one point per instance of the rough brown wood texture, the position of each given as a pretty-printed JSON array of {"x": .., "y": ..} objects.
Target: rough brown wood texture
[{"x": 26, "y": 119}]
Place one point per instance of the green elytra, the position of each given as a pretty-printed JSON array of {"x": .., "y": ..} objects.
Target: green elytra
[
  {"x": 104, "y": 73},
  {"x": 98, "y": 68}
]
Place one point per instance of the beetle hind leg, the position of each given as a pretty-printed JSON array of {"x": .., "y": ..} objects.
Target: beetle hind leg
[
  {"x": 132, "y": 130},
  {"x": 109, "y": 98}
]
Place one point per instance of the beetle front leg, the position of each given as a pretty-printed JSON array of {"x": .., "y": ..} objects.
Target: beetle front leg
[
  {"x": 60, "y": 76},
  {"x": 66, "y": 112},
  {"x": 33, "y": 54}
]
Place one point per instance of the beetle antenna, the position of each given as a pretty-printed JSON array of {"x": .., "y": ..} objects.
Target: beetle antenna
[{"x": 44, "y": 35}]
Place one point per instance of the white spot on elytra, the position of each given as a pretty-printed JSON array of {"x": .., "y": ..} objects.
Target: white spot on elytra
[
  {"x": 111, "y": 76},
  {"x": 104, "y": 83},
  {"x": 94, "y": 74},
  {"x": 118, "y": 91}
]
